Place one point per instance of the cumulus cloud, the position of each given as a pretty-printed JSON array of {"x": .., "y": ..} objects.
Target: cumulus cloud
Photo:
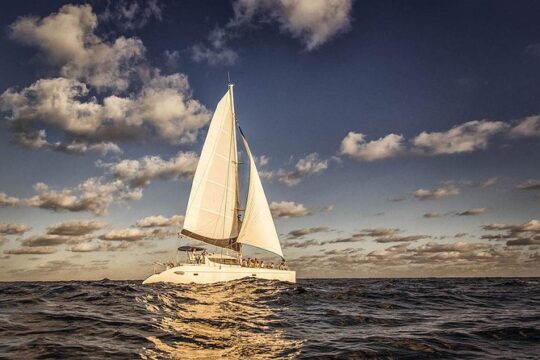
[
  {"x": 378, "y": 232},
  {"x": 163, "y": 107},
  {"x": 67, "y": 39},
  {"x": 94, "y": 246},
  {"x": 301, "y": 244},
  {"x": 27, "y": 250},
  {"x": 467, "y": 137},
  {"x": 431, "y": 259},
  {"x": 310, "y": 165},
  {"x": 388, "y": 235},
  {"x": 472, "y": 212},
  {"x": 124, "y": 235},
  {"x": 530, "y": 126},
  {"x": 8, "y": 201},
  {"x": 13, "y": 229},
  {"x": 438, "y": 193},
  {"x": 38, "y": 140},
  {"x": 350, "y": 239},
  {"x": 431, "y": 215},
  {"x": 463, "y": 138},
  {"x": 48, "y": 240},
  {"x": 159, "y": 221},
  {"x": 156, "y": 106},
  {"x": 298, "y": 233},
  {"x": 76, "y": 227},
  {"x": 529, "y": 185},
  {"x": 93, "y": 195},
  {"x": 400, "y": 238},
  {"x": 355, "y": 146},
  {"x": 287, "y": 209},
  {"x": 313, "y": 22},
  {"x": 515, "y": 234},
  {"x": 139, "y": 173}
]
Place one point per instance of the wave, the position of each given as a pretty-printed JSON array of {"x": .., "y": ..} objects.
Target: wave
[{"x": 253, "y": 318}]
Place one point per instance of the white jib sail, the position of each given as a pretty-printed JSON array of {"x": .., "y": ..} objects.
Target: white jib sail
[
  {"x": 258, "y": 227},
  {"x": 212, "y": 211}
]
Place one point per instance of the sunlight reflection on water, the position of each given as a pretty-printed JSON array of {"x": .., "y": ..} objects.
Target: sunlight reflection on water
[{"x": 202, "y": 322}]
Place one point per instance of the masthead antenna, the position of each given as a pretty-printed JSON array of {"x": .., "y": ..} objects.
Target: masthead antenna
[{"x": 228, "y": 77}]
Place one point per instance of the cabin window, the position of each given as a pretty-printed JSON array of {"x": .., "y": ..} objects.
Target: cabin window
[
  {"x": 179, "y": 272},
  {"x": 253, "y": 274},
  {"x": 195, "y": 274},
  {"x": 224, "y": 261}
]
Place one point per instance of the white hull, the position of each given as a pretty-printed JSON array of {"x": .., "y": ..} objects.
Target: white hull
[{"x": 208, "y": 274}]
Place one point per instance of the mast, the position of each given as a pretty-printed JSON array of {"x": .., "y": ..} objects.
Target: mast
[{"x": 230, "y": 87}]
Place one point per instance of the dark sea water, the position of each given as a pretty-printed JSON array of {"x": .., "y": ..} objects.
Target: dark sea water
[{"x": 343, "y": 319}]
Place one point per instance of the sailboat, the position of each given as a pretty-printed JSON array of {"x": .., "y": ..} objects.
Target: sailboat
[{"x": 215, "y": 217}]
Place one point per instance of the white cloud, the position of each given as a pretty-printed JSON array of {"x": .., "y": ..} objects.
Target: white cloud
[
  {"x": 157, "y": 106},
  {"x": 67, "y": 39},
  {"x": 93, "y": 246},
  {"x": 124, "y": 235},
  {"x": 8, "y": 201},
  {"x": 298, "y": 233},
  {"x": 262, "y": 160},
  {"x": 313, "y": 22},
  {"x": 53, "y": 240},
  {"x": 93, "y": 195},
  {"x": 516, "y": 234},
  {"x": 26, "y": 250},
  {"x": 310, "y": 165},
  {"x": 75, "y": 227},
  {"x": 13, "y": 229},
  {"x": 530, "y": 126},
  {"x": 139, "y": 173},
  {"x": 355, "y": 146},
  {"x": 467, "y": 137},
  {"x": 38, "y": 140},
  {"x": 286, "y": 209},
  {"x": 163, "y": 106},
  {"x": 438, "y": 193},
  {"x": 159, "y": 221},
  {"x": 529, "y": 185}
]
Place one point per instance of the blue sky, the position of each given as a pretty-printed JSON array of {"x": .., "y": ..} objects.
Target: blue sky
[{"x": 394, "y": 138}]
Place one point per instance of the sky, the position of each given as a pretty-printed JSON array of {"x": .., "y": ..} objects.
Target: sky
[{"x": 394, "y": 138}]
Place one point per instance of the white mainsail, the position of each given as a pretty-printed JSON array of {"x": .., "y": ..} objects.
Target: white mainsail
[
  {"x": 212, "y": 211},
  {"x": 258, "y": 227}
]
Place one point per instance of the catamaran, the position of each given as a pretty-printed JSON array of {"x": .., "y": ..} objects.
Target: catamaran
[{"x": 214, "y": 214}]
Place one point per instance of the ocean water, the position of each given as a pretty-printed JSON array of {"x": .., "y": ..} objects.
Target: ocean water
[{"x": 257, "y": 319}]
